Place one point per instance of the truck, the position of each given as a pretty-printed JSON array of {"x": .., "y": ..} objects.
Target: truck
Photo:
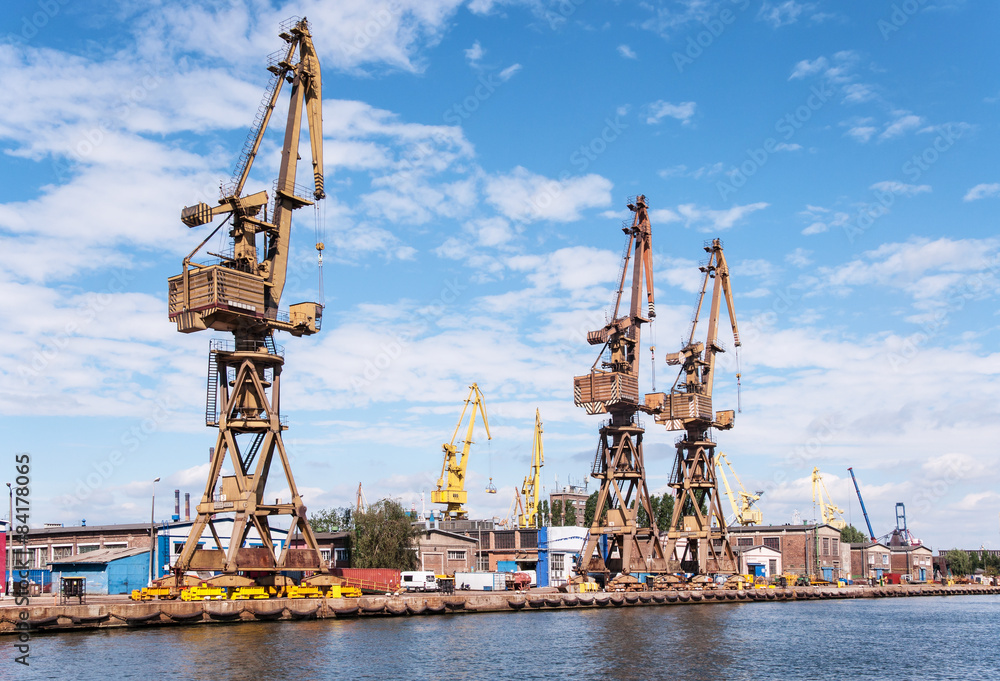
[{"x": 419, "y": 580}]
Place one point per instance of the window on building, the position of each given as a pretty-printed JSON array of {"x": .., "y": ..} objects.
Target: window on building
[
  {"x": 772, "y": 567},
  {"x": 503, "y": 540},
  {"x": 529, "y": 539},
  {"x": 558, "y": 563},
  {"x": 324, "y": 554},
  {"x": 456, "y": 555},
  {"x": 23, "y": 560},
  {"x": 87, "y": 548},
  {"x": 178, "y": 546},
  {"x": 61, "y": 552},
  {"x": 885, "y": 559},
  {"x": 826, "y": 546},
  {"x": 116, "y": 545},
  {"x": 835, "y": 546},
  {"x": 744, "y": 541},
  {"x": 772, "y": 543},
  {"x": 483, "y": 562},
  {"x": 340, "y": 555}
]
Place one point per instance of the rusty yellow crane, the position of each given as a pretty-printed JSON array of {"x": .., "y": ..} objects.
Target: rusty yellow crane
[
  {"x": 697, "y": 539},
  {"x": 451, "y": 484},
  {"x": 829, "y": 512},
  {"x": 241, "y": 295}
]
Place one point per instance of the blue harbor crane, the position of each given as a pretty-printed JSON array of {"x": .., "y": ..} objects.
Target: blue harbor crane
[{"x": 871, "y": 533}]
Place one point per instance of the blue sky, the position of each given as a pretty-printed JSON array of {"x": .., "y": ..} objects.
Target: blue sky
[{"x": 478, "y": 160}]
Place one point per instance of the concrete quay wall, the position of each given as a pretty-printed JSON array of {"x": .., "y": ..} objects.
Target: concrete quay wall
[{"x": 127, "y": 614}]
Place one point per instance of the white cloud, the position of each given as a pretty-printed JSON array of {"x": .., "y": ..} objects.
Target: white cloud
[
  {"x": 901, "y": 188},
  {"x": 861, "y": 133},
  {"x": 474, "y": 53},
  {"x": 856, "y": 93},
  {"x": 784, "y": 146},
  {"x": 815, "y": 228},
  {"x": 660, "y": 109},
  {"x": 779, "y": 14},
  {"x": 509, "y": 72},
  {"x": 809, "y": 68},
  {"x": 982, "y": 191},
  {"x": 710, "y": 220},
  {"x": 903, "y": 123},
  {"x": 627, "y": 52},
  {"x": 524, "y": 196},
  {"x": 799, "y": 257}
]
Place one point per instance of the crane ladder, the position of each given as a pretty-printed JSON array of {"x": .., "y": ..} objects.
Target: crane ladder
[{"x": 212, "y": 392}]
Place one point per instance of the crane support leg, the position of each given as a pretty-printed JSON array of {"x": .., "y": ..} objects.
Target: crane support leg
[
  {"x": 697, "y": 540},
  {"x": 250, "y": 412}
]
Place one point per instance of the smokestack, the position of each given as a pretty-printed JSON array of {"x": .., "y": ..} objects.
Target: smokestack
[
  {"x": 187, "y": 507},
  {"x": 211, "y": 454},
  {"x": 177, "y": 506}
]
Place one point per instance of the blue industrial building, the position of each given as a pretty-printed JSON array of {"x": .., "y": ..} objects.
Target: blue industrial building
[{"x": 108, "y": 572}]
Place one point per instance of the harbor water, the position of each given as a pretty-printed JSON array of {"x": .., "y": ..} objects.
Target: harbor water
[{"x": 911, "y": 638}]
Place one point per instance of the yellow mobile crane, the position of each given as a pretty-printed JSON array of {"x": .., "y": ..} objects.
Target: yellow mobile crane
[
  {"x": 451, "y": 485},
  {"x": 829, "y": 513},
  {"x": 528, "y": 512},
  {"x": 742, "y": 512}
]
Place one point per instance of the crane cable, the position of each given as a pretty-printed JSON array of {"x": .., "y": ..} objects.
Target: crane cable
[
  {"x": 739, "y": 374},
  {"x": 320, "y": 229}
]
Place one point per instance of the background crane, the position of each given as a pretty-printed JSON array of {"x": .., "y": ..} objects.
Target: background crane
[
  {"x": 451, "y": 485},
  {"x": 527, "y": 500},
  {"x": 871, "y": 532},
  {"x": 742, "y": 511},
  {"x": 241, "y": 295},
  {"x": 613, "y": 389},
  {"x": 829, "y": 513},
  {"x": 699, "y": 537}
]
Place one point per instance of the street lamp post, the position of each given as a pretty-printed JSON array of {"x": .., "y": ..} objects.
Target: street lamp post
[
  {"x": 152, "y": 531},
  {"x": 10, "y": 550}
]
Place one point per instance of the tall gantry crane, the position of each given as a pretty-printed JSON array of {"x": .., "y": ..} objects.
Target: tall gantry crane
[
  {"x": 864, "y": 511},
  {"x": 451, "y": 485},
  {"x": 829, "y": 513},
  {"x": 613, "y": 389},
  {"x": 743, "y": 511},
  {"x": 698, "y": 533},
  {"x": 241, "y": 295},
  {"x": 527, "y": 500}
]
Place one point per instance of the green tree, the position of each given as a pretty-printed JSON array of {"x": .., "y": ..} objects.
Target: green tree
[
  {"x": 557, "y": 513},
  {"x": 589, "y": 509},
  {"x": 384, "y": 537},
  {"x": 852, "y": 535},
  {"x": 664, "y": 511},
  {"x": 569, "y": 514},
  {"x": 330, "y": 520},
  {"x": 959, "y": 563}
]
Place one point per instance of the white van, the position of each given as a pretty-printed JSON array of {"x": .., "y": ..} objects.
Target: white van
[{"x": 419, "y": 580}]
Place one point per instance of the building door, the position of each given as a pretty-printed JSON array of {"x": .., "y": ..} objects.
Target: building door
[
  {"x": 923, "y": 574},
  {"x": 828, "y": 574},
  {"x": 757, "y": 569}
]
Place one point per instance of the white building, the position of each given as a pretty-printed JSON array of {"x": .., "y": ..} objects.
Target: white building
[{"x": 760, "y": 561}]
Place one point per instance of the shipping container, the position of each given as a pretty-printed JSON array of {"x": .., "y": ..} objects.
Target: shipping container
[
  {"x": 369, "y": 580},
  {"x": 506, "y": 566}
]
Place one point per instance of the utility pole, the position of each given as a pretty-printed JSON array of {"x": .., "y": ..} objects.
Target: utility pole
[
  {"x": 152, "y": 532},
  {"x": 9, "y": 584}
]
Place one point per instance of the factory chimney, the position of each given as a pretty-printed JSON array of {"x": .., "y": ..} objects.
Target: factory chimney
[
  {"x": 187, "y": 507},
  {"x": 177, "y": 506}
]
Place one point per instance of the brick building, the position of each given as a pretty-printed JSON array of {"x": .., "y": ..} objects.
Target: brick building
[
  {"x": 57, "y": 542},
  {"x": 870, "y": 561},
  {"x": 570, "y": 495},
  {"x": 914, "y": 561},
  {"x": 808, "y": 550},
  {"x": 446, "y": 553}
]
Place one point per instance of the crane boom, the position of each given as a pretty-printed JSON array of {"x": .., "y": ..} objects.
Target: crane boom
[
  {"x": 528, "y": 512},
  {"x": 829, "y": 512},
  {"x": 451, "y": 484},
  {"x": 871, "y": 533},
  {"x": 743, "y": 511}
]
